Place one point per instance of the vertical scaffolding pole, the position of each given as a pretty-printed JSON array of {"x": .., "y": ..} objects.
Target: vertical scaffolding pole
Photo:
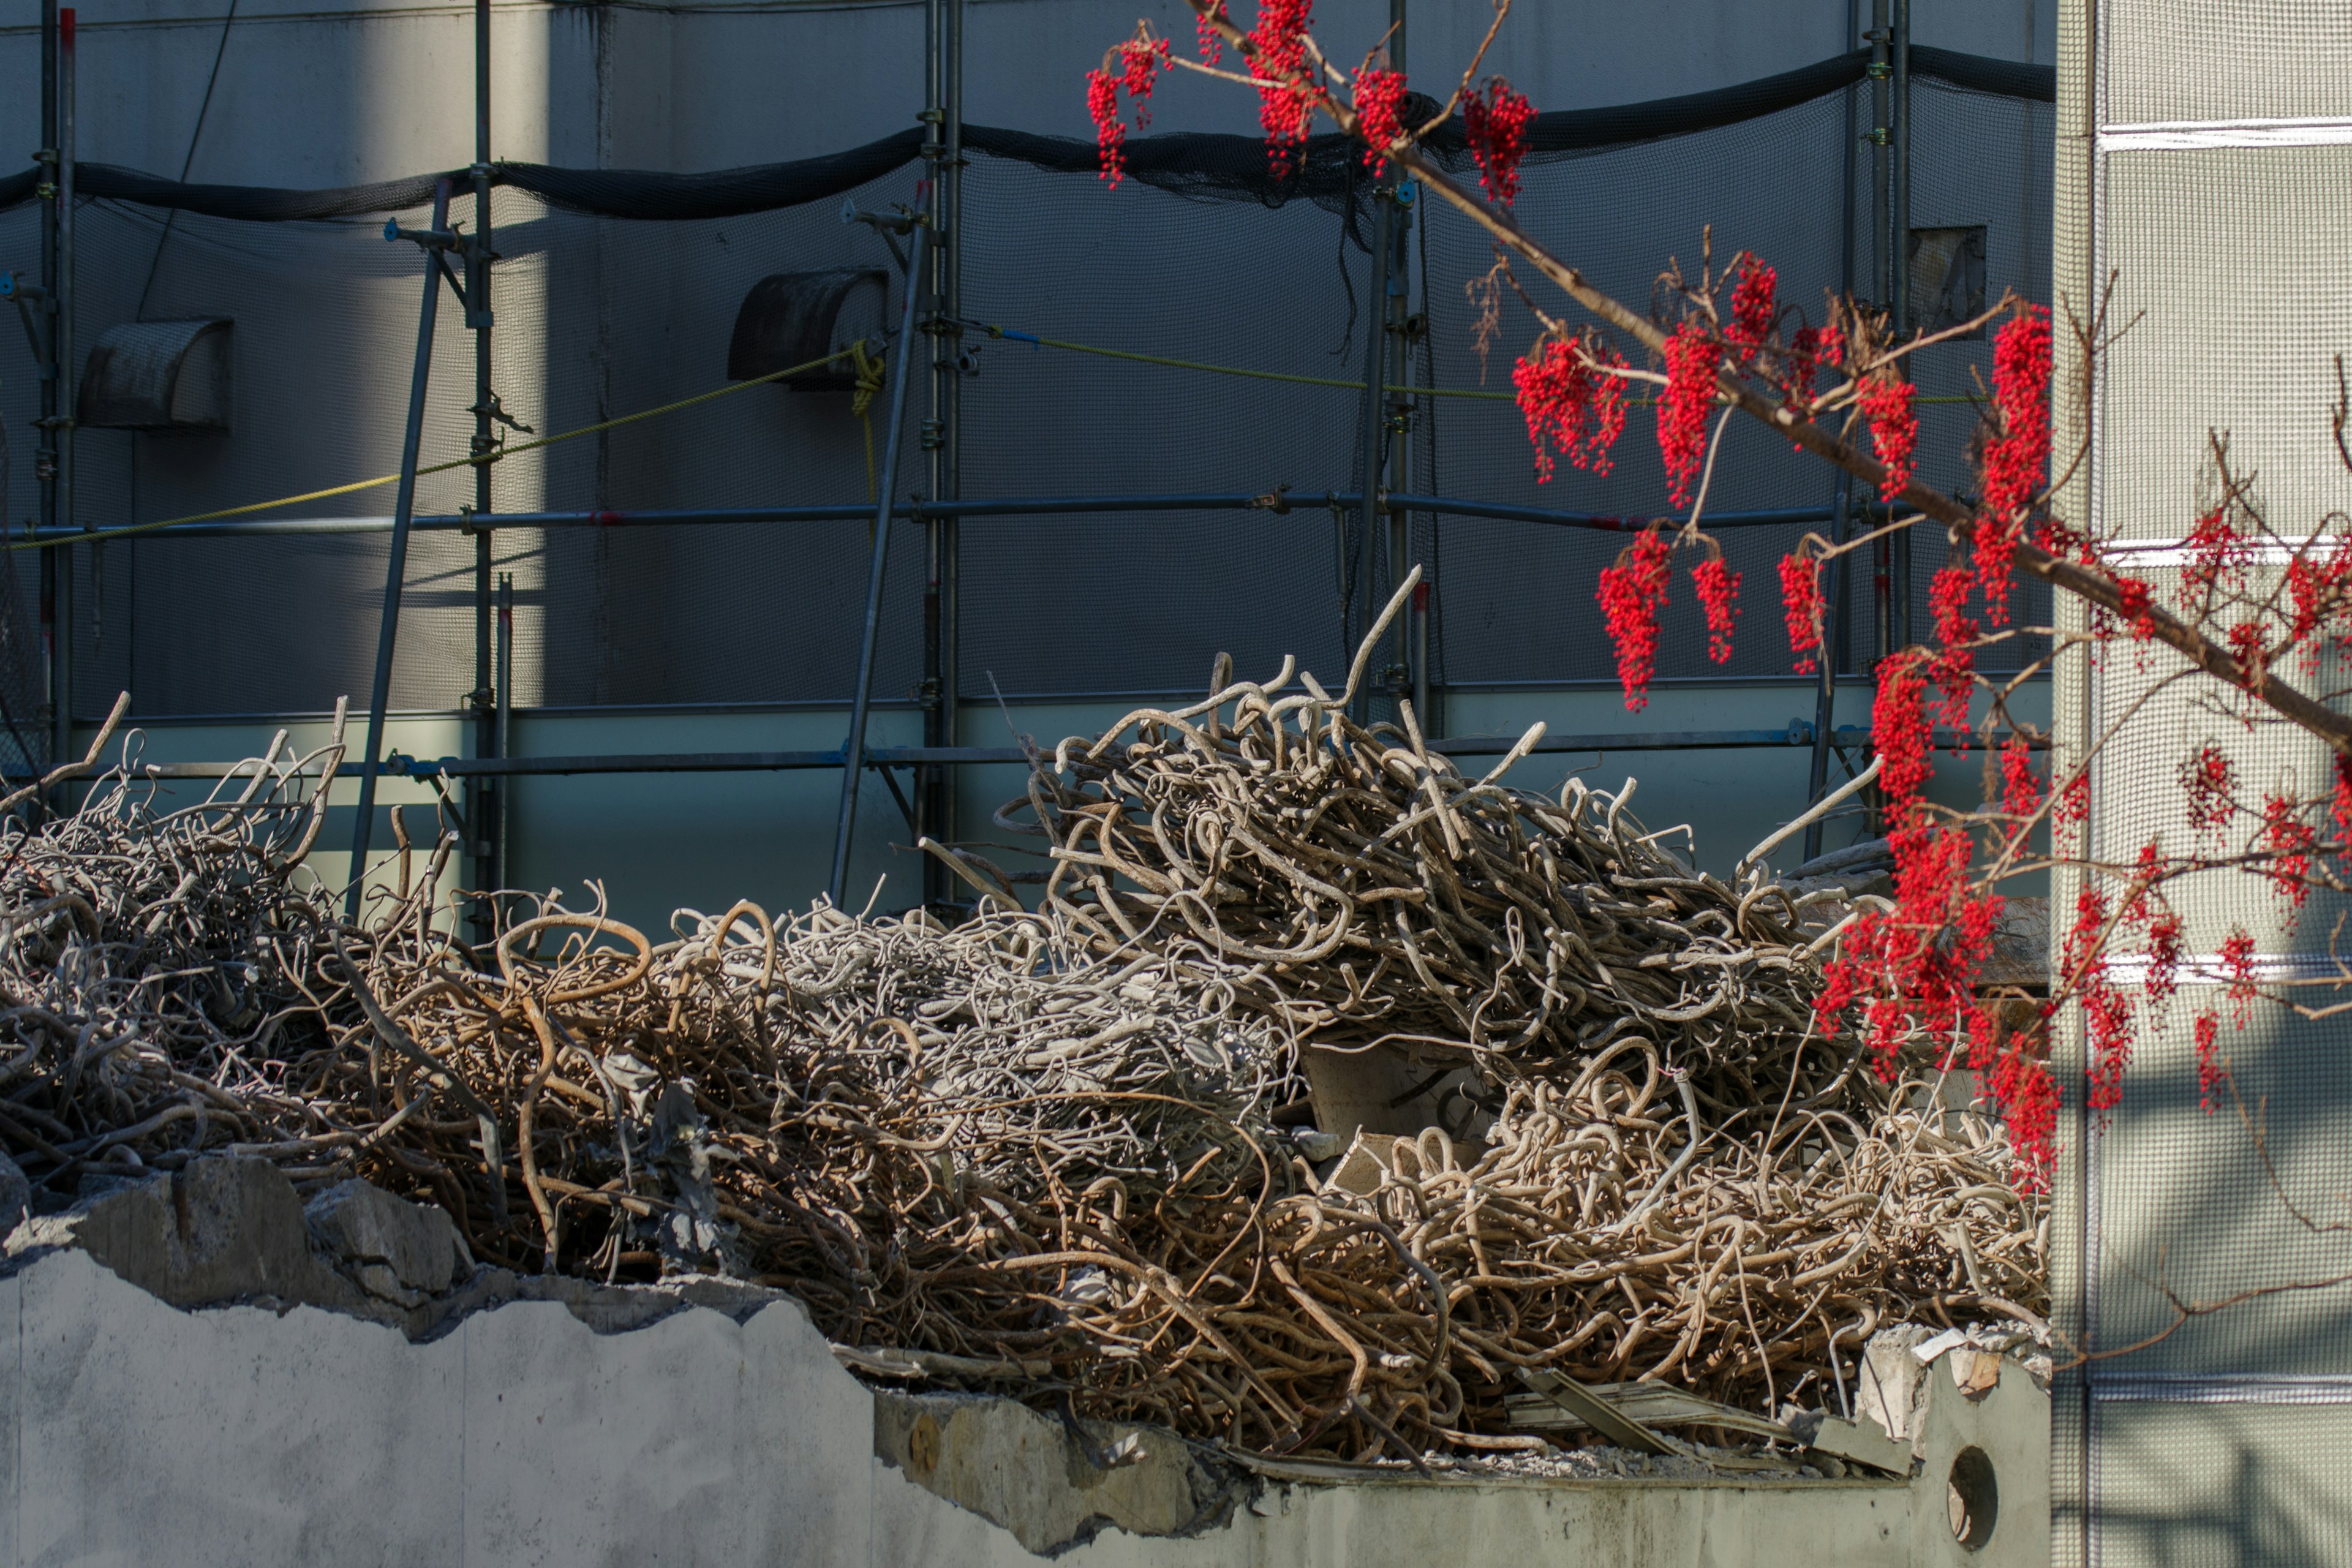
[
  {"x": 502, "y": 717},
  {"x": 1831, "y": 654},
  {"x": 942, "y": 431},
  {"x": 61, "y": 334},
  {"x": 1899, "y": 263},
  {"x": 45, "y": 452},
  {"x": 1356, "y": 614},
  {"x": 1396, "y": 312},
  {"x": 483, "y": 795},
  {"x": 433, "y": 242},
  {"x": 852, "y": 751},
  {"x": 1882, "y": 274}
]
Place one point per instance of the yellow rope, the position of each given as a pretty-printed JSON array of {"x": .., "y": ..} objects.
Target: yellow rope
[
  {"x": 870, "y": 378},
  {"x": 99, "y": 535}
]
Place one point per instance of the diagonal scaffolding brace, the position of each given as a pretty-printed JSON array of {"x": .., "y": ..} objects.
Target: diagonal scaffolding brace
[{"x": 435, "y": 242}]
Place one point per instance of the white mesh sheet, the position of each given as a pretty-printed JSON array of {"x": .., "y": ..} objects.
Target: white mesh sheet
[{"x": 2226, "y": 60}]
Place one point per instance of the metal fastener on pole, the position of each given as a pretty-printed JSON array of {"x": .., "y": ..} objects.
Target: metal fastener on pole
[
  {"x": 854, "y": 751},
  {"x": 433, "y": 242}
]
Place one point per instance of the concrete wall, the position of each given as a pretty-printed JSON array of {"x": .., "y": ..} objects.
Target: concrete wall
[{"x": 552, "y": 1422}]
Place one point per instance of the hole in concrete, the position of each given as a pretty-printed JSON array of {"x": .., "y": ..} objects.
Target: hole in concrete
[{"x": 1973, "y": 1498}]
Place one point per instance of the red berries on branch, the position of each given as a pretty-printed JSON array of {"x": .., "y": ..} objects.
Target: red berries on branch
[
  {"x": 1893, "y": 429},
  {"x": 2020, "y": 786},
  {"x": 1573, "y": 407},
  {"x": 1213, "y": 43},
  {"x": 2289, "y": 841},
  {"x": 1133, "y": 67},
  {"x": 1754, "y": 309},
  {"x": 2017, "y": 456},
  {"x": 1633, "y": 591},
  {"x": 1800, "y": 605},
  {"x": 1691, "y": 358},
  {"x": 2209, "y": 783},
  {"x": 1378, "y": 97},
  {"x": 1110, "y": 130},
  {"x": 1495, "y": 122},
  {"x": 1286, "y": 100},
  {"x": 1719, "y": 596}
]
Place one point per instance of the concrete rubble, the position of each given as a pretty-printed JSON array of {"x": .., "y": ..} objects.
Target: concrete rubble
[{"x": 207, "y": 1370}]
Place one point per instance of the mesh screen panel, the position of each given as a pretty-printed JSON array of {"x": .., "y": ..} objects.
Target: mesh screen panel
[
  {"x": 2226, "y": 60},
  {"x": 601, "y": 317},
  {"x": 2235, "y": 334},
  {"x": 2156, "y": 722},
  {"x": 2223, "y": 1441},
  {"x": 2184, "y": 1201},
  {"x": 2250, "y": 1486}
]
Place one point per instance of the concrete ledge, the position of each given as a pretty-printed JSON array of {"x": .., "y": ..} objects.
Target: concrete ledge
[{"x": 319, "y": 1419}]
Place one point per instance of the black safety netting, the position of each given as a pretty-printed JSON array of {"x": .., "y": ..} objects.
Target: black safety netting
[{"x": 1201, "y": 258}]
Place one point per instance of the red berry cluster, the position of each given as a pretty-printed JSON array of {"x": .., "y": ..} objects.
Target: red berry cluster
[
  {"x": 1204, "y": 24},
  {"x": 1810, "y": 351},
  {"x": 2319, "y": 591},
  {"x": 1378, "y": 98},
  {"x": 2208, "y": 782},
  {"x": 1754, "y": 309},
  {"x": 2218, "y": 555},
  {"x": 2341, "y": 808},
  {"x": 1495, "y": 122},
  {"x": 1140, "y": 60},
  {"x": 1572, "y": 406},
  {"x": 1633, "y": 591},
  {"x": 2137, "y": 599},
  {"x": 1718, "y": 596},
  {"x": 1110, "y": 130},
  {"x": 2289, "y": 841},
  {"x": 1691, "y": 361},
  {"x": 1800, "y": 605},
  {"x": 1911, "y": 971},
  {"x": 1893, "y": 429},
  {"x": 2017, "y": 457},
  {"x": 2020, "y": 786},
  {"x": 2238, "y": 970},
  {"x": 1286, "y": 105}
]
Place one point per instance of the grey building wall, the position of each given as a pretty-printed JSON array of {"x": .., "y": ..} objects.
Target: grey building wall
[{"x": 595, "y": 321}]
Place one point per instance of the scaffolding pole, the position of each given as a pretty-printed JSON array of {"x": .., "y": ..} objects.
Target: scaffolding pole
[
  {"x": 484, "y": 819},
  {"x": 44, "y": 313},
  {"x": 1395, "y": 313},
  {"x": 852, "y": 752},
  {"x": 434, "y": 242},
  {"x": 1798, "y": 734},
  {"x": 1006, "y": 506},
  {"x": 61, "y": 422},
  {"x": 1356, "y": 611},
  {"x": 1899, "y": 291},
  {"x": 1830, "y": 655},
  {"x": 943, "y": 431}
]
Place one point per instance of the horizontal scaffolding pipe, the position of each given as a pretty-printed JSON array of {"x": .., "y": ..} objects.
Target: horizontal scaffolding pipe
[
  {"x": 1797, "y": 734},
  {"x": 1013, "y": 506}
]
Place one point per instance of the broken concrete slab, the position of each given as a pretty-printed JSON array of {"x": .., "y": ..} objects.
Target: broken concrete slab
[
  {"x": 221, "y": 1229},
  {"x": 397, "y": 1251},
  {"x": 1053, "y": 1483}
]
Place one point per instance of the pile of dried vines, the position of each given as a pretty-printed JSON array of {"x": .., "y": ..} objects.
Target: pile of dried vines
[
  {"x": 1035, "y": 1150},
  {"x": 1377, "y": 895}
]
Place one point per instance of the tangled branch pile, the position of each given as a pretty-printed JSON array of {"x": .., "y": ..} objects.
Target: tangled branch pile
[
  {"x": 1375, "y": 895},
  {"x": 1039, "y": 1151}
]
